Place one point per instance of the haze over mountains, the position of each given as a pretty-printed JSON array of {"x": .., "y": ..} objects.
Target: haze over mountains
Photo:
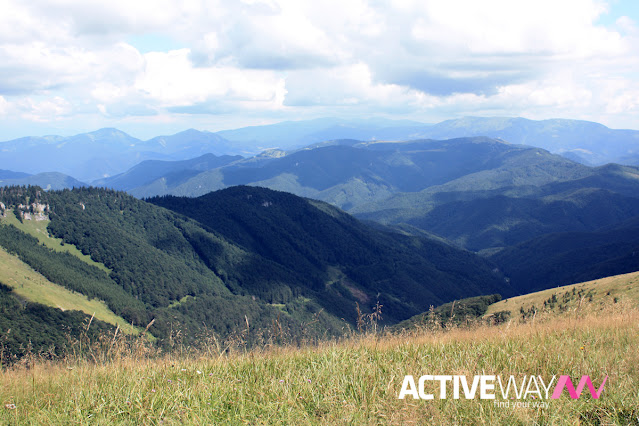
[
  {"x": 107, "y": 152},
  {"x": 583, "y": 141}
]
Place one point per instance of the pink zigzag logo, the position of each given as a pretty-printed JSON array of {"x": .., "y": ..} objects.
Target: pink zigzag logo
[{"x": 565, "y": 382}]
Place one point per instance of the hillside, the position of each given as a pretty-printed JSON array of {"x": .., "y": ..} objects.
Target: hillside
[
  {"x": 507, "y": 206},
  {"x": 247, "y": 257},
  {"x": 560, "y": 258},
  {"x": 31, "y": 286},
  {"x": 585, "y": 296},
  {"x": 480, "y": 194},
  {"x": 32, "y": 330},
  {"x": 324, "y": 244},
  {"x": 549, "y": 305}
]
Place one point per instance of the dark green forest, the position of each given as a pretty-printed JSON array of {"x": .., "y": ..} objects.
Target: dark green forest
[
  {"x": 240, "y": 259},
  {"x": 31, "y": 328}
]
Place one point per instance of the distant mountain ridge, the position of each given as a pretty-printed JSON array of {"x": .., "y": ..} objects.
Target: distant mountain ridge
[
  {"x": 350, "y": 173},
  {"x": 107, "y": 152},
  {"x": 433, "y": 184},
  {"x": 584, "y": 141},
  {"x": 171, "y": 173},
  {"x": 8, "y": 174},
  {"x": 46, "y": 180}
]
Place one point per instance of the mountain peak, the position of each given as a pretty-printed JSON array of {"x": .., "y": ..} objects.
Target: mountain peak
[{"x": 109, "y": 132}]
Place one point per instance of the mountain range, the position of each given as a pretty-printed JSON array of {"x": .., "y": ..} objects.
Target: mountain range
[
  {"x": 104, "y": 153},
  {"x": 480, "y": 194},
  {"x": 45, "y": 180},
  {"x": 583, "y": 141},
  {"x": 212, "y": 237}
]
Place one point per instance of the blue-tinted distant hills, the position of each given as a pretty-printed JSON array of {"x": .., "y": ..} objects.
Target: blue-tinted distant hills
[
  {"x": 168, "y": 174},
  {"x": 105, "y": 152},
  {"x": 108, "y": 152},
  {"x": 8, "y": 174},
  {"x": 85, "y": 156},
  {"x": 583, "y": 141},
  {"x": 193, "y": 143},
  {"x": 295, "y": 134},
  {"x": 46, "y": 180}
]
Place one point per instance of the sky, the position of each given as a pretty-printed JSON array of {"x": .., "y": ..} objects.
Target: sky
[{"x": 152, "y": 67}]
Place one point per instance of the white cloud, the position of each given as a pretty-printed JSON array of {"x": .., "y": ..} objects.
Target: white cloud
[
  {"x": 172, "y": 80},
  {"x": 54, "y": 108},
  {"x": 490, "y": 27},
  {"x": 429, "y": 57},
  {"x": 4, "y": 105},
  {"x": 627, "y": 25}
]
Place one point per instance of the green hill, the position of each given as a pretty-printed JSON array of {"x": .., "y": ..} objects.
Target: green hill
[
  {"x": 29, "y": 329},
  {"x": 587, "y": 297},
  {"x": 239, "y": 260},
  {"x": 171, "y": 173},
  {"x": 313, "y": 240}
]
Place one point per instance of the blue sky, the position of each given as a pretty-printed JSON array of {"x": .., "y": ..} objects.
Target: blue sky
[{"x": 154, "y": 67}]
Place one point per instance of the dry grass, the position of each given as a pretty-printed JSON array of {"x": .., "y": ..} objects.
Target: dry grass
[
  {"x": 354, "y": 381},
  {"x": 599, "y": 292}
]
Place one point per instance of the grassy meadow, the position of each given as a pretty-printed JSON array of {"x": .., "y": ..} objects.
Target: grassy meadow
[
  {"x": 353, "y": 381},
  {"x": 594, "y": 293}
]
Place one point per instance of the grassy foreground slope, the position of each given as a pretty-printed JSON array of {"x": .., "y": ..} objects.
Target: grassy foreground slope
[
  {"x": 599, "y": 292},
  {"x": 356, "y": 381}
]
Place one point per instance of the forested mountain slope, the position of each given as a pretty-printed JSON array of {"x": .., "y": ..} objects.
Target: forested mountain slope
[{"x": 242, "y": 257}]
